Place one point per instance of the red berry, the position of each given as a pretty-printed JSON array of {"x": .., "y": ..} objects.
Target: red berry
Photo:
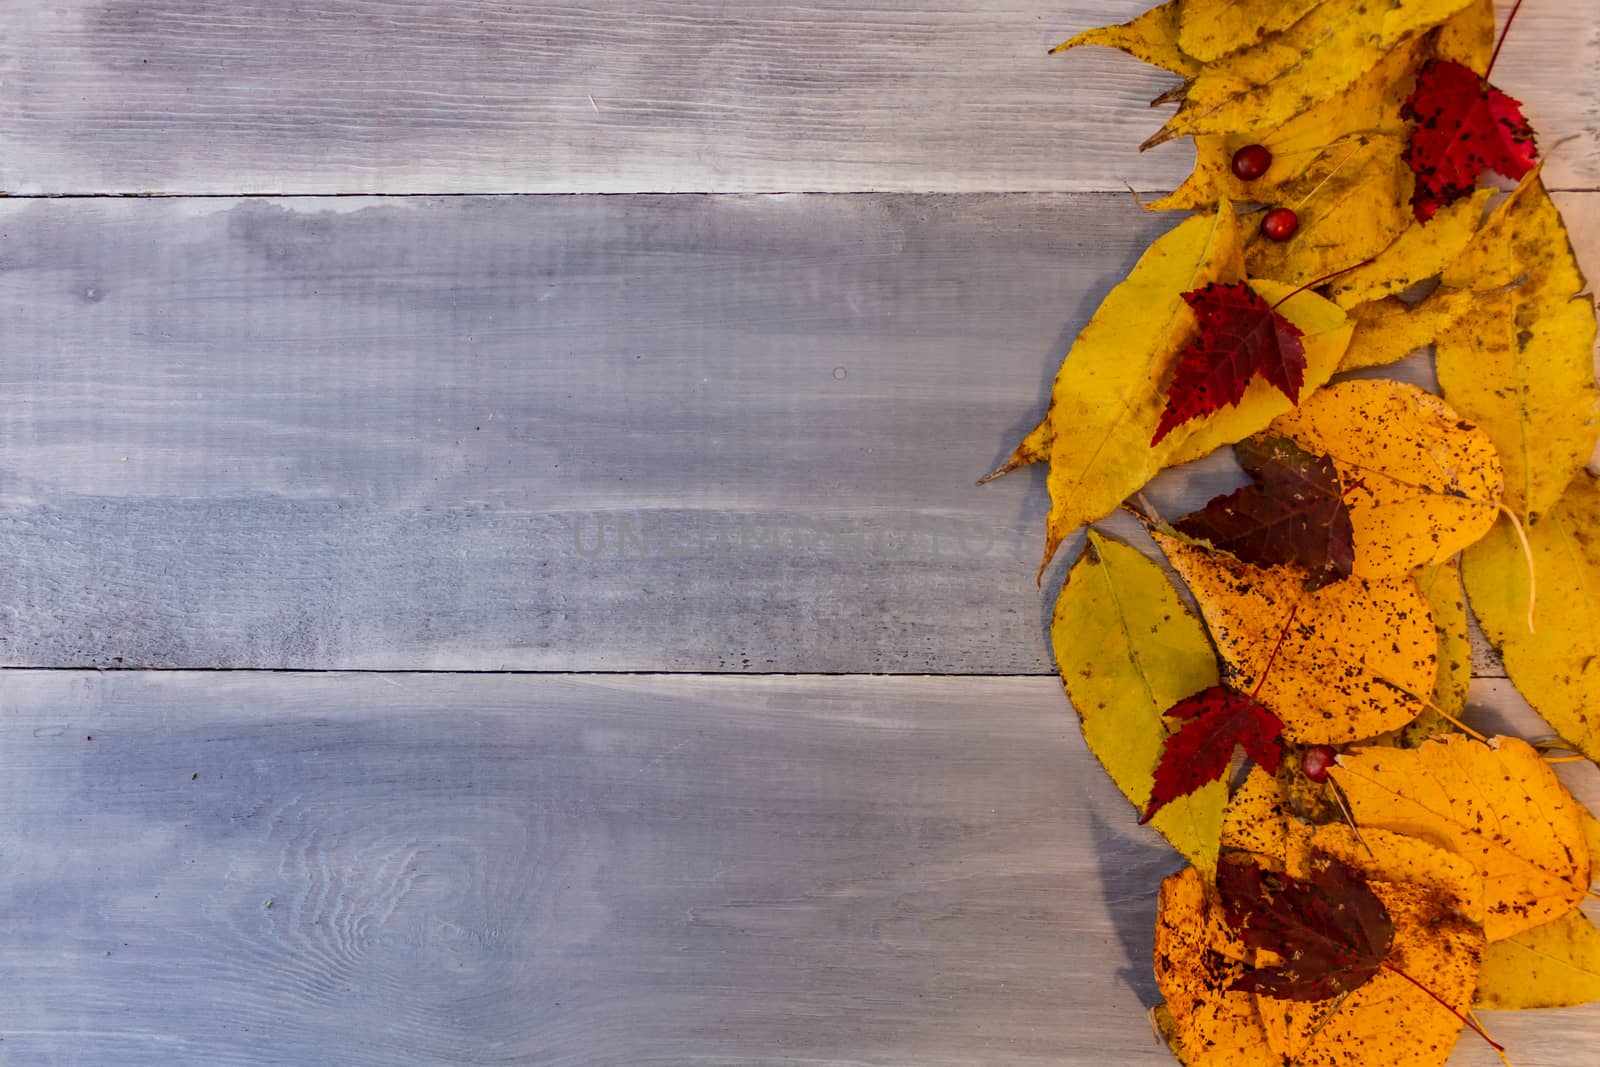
[
  {"x": 1251, "y": 162},
  {"x": 1317, "y": 760},
  {"x": 1279, "y": 224}
]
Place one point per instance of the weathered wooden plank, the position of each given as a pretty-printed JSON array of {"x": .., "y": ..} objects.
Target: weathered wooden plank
[
  {"x": 243, "y": 869},
  {"x": 224, "y": 96},
  {"x": 388, "y": 433}
]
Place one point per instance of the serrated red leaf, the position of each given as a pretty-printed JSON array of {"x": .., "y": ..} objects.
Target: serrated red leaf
[
  {"x": 1241, "y": 336},
  {"x": 1331, "y": 932},
  {"x": 1464, "y": 126},
  {"x": 1219, "y": 719},
  {"x": 1294, "y": 515}
]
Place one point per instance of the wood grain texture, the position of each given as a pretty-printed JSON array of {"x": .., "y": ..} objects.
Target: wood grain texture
[
  {"x": 228, "y": 96},
  {"x": 553, "y": 433},
  {"x": 408, "y": 869}
]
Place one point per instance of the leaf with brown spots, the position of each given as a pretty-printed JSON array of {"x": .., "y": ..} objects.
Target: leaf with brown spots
[
  {"x": 1359, "y": 657},
  {"x": 1498, "y": 805}
]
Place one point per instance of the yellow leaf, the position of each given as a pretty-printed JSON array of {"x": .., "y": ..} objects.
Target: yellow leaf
[
  {"x": 1287, "y": 73},
  {"x": 1421, "y": 251},
  {"x": 1555, "y": 965},
  {"x": 1128, "y": 649},
  {"x": 1351, "y": 205},
  {"x": 1441, "y": 585},
  {"x": 1257, "y": 817},
  {"x": 1197, "y": 957},
  {"x": 1388, "y": 1019},
  {"x": 1389, "y": 330},
  {"x": 1420, "y": 483},
  {"x": 1499, "y": 806},
  {"x": 1558, "y": 667},
  {"x": 1152, "y": 37},
  {"x": 1357, "y": 660},
  {"x": 1468, "y": 37},
  {"x": 1035, "y": 448},
  {"x": 1110, "y": 391},
  {"x": 1521, "y": 361},
  {"x": 1210, "y": 29}
]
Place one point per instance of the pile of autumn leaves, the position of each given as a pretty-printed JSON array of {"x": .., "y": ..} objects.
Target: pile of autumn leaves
[{"x": 1381, "y": 870}]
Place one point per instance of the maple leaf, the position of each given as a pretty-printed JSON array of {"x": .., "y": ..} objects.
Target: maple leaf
[
  {"x": 1218, "y": 720},
  {"x": 1295, "y": 514},
  {"x": 1331, "y": 932},
  {"x": 1464, "y": 126},
  {"x": 1241, "y": 335}
]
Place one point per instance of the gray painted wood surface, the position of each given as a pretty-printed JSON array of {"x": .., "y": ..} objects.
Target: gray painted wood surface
[
  {"x": 229, "y": 96},
  {"x": 444, "y": 869},
  {"x": 548, "y": 433}
]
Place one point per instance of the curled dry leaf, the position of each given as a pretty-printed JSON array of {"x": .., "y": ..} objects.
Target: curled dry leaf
[
  {"x": 1108, "y": 396},
  {"x": 1316, "y": 58},
  {"x": 1557, "y": 667},
  {"x": 1424, "y": 483},
  {"x": 1498, "y": 805},
  {"x": 1358, "y": 659},
  {"x": 1294, "y": 515},
  {"x": 1520, "y": 362},
  {"x": 1128, "y": 649},
  {"x": 1555, "y": 965}
]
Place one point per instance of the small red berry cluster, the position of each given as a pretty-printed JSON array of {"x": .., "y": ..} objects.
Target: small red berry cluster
[{"x": 1250, "y": 163}]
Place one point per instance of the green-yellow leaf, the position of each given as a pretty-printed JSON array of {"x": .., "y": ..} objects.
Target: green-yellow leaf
[
  {"x": 1152, "y": 37},
  {"x": 1555, "y": 965},
  {"x": 1128, "y": 649},
  {"x": 1557, "y": 666},
  {"x": 1318, "y": 57}
]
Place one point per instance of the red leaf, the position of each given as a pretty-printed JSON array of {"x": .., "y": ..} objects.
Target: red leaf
[
  {"x": 1464, "y": 126},
  {"x": 1296, "y": 514},
  {"x": 1219, "y": 719},
  {"x": 1240, "y": 336},
  {"x": 1332, "y": 932}
]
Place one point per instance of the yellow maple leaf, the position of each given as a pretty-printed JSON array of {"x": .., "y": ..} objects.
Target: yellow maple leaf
[
  {"x": 1420, "y": 483},
  {"x": 1128, "y": 649},
  {"x": 1499, "y": 805},
  {"x": 1420, "y": 252},
  {"x": 1358, "y": 657},
  {"x": 1557, "y": 665}
]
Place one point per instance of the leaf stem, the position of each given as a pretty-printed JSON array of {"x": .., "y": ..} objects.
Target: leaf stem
[
  {"x": 1440, "y": 1000},
  {"x": 1324, "y": 278},
  {"x": 1273, "y": 658},
  {"x": 1503, "y": 31},
  {"x": 1527, "y": 554}
]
